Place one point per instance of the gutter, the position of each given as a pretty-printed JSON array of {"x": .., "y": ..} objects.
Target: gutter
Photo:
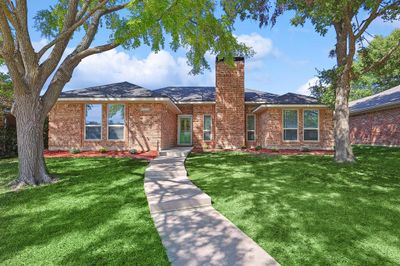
[
  {"x": 263, "y": 106},
  {"x": 135, "y": 99}
]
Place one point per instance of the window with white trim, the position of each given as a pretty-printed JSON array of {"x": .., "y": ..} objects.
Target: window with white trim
[
  {"x": 251, "y": 127},
  {"x": 290, "y": 125},
  {"x": 116, "y": 121},
  {"x": 311, "y": 129},
  {"x": 93, "y": 121},
  {"x": 207, "y": 125}
]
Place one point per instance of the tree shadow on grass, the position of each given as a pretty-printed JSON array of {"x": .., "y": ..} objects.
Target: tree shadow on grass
[
  {"x": 96, "y": 214},
  {"x": 307, "y": 209}
]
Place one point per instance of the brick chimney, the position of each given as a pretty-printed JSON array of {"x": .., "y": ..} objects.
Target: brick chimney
[{"x": 229, "y": 104}]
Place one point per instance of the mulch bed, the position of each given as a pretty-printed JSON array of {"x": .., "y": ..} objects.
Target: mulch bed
[
  {"x": 149, "y": 155},
  {"x": 273, "y": 152},
  {"x": 290, "y": 152}
]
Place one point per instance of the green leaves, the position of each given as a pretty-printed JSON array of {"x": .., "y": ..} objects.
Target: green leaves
[
  {"x": 384, "y": 76},
  {"x": 196, "y": 26}
]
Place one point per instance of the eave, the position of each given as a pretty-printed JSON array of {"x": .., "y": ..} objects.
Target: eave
[
  {"x": 264, "y": 106},
  {"x": 166, "y": 101}
]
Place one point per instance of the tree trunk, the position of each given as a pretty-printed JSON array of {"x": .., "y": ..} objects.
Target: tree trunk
[
  {"x": 343, "y": 150},
  {"x": 30, "y": 122}
]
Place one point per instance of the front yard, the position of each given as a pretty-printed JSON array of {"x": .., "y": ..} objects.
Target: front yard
[
  {"x": 96, "y": 214},
  {"x": 306, "y": 210}
]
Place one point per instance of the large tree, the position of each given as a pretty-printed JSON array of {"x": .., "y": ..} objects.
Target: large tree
[
  {"x": 350, "y": 20},
  {"x": 383, "y": 76},
  {"x": 193, "y": 25}
]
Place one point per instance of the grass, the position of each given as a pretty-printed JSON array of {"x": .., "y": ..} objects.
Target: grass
[
  {"x": 96, "y": 214},
  {"x": 307, "y": 210}
]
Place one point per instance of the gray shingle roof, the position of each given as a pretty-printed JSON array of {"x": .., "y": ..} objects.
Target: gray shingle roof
[
  {"x": 181, "y": 94},
  {"x": 383, "y": 99},
  {"x": 115, "y": 90},
  {"x": 294, "y": 98},
  {"x": 188, "y": 94},
  {"x": 207, "y": 94}
]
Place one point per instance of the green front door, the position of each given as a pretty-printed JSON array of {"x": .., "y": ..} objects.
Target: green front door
[{"x": 185, "y": 130}]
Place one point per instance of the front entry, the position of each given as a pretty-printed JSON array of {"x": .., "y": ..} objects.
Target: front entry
[{"x": 185, "y": 130}]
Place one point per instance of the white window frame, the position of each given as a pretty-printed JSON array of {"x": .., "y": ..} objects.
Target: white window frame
[
  {"x": 204, "y": 131},
  {"x": 251, "y": 130},
  {"x": 283, "y": 126},
  {"x": 308, "y": 128},
  {"x": 101, "y": 123},
  {"x": 108, "y": 126}
]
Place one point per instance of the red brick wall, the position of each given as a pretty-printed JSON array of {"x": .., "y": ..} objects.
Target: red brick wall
[
  {"x": 376, "y": 128},
  {"x": 65, "y": 126},
  {"x": 143, "y": 127},
  {"x": 168, "y": 129},
  {"x": 229, "y": 106},
  {"x": 270, "y": 130},
  {"x": 198, "y": 125}
]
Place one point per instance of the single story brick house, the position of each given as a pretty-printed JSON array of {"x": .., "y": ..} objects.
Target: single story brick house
[
  {"x": 125, "y": 116},
  {"x": 375, "y": 120}
]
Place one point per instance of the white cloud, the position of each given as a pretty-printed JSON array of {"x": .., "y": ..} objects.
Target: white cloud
[
  {"x": 262, "y": 48},
  {"x": 304, "y": 89},
  {"x": 154, "y": 71}
]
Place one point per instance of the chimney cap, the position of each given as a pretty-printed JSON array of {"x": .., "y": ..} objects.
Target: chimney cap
[{"x": 236, "y": 59}]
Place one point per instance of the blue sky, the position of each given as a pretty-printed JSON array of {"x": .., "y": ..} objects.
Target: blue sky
[{"x": 286, "y": 58}]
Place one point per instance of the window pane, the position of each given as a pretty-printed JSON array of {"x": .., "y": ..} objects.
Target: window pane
[
  {"x": 207, "y": 122},
  {"x": 115, "y": 132},
  {"x": 310, "y": 119},
  {"x": 207, "y": 135},
  {"x": 251, "y": 135},
  {"x": 310, "y": 134},
  {"x": 116, "y": 114},
  {"x": 290, "y": 119},
  {"x": 290, "y": 134},
  {"x": 93, "y": 114},
  {"x": 250, "y": 122},
  {"x": 93, "y": 133}
]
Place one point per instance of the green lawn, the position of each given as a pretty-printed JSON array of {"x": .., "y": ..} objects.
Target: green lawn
[
  {"x": 307, "y": 210},
  {"x": 96, "y": 214}
]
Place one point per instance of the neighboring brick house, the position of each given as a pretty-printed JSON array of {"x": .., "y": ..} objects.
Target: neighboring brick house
[
  {"x": 124, "y": 116},
  {"x": 375, "y": 120}
]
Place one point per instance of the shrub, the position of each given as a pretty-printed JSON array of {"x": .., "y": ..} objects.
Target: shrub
[
  {"x": 103, "y": 150},
  {"x": 8, "y": 142},
  {"x": 244, "y": 147},
  {"x": 258, "y": 148},
  {"x": 75, "y": 151},
  {"x": 133, "y": 151},
  {"x": 274, "y": 149}
]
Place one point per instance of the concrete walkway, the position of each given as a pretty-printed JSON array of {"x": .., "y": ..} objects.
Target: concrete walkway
[{"x": 191, "y": 230}]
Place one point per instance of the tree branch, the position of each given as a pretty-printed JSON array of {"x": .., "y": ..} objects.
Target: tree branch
[
  {"x": 28, "y": 55},
  {"x": 67, "y": 31},
  {"x": 373, "y": 15},
  {"x": 64, "y": 73},
  {"x": 380, "y": 62}
]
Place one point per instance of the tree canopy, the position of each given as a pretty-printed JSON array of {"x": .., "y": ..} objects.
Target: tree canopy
[{"x": 382, "y": 77}]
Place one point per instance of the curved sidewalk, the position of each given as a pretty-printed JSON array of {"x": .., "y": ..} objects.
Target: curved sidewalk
[{"x": 191, "y": 230}]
